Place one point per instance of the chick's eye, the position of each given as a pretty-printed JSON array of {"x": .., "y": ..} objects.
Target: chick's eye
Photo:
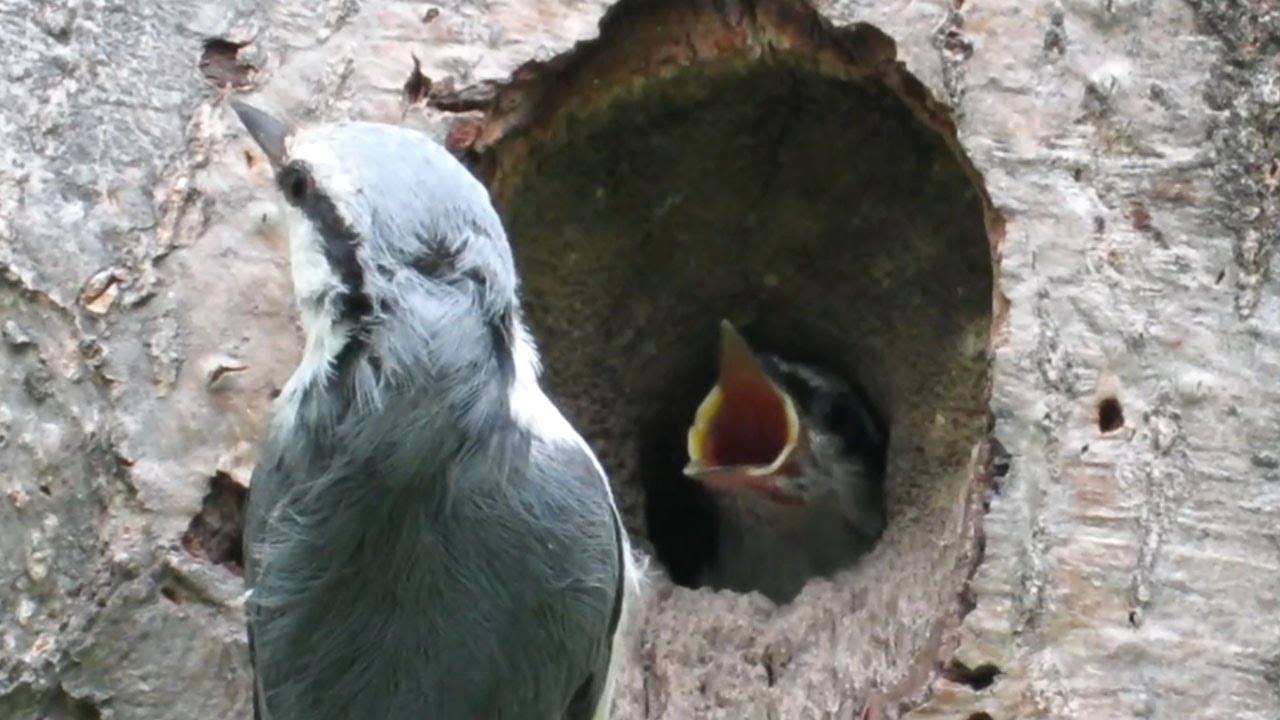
[{"x": 296, "y": 184}]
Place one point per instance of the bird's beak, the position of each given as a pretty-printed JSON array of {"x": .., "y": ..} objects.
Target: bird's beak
[
  {"x": 268, "y": 131},
  {"x": 746, "y": 432}
]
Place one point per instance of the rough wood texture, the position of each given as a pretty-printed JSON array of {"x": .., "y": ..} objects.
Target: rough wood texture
[
  {"x": 699, "y": 161},
  {"x": 1129, "y": 154}
]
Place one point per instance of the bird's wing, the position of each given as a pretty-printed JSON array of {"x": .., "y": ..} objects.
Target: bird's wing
[
  {"x": 620, "y": 586},
  {"x": 259, "y": 711},
  {"x": 591, "y": 700},
  {"x": 267, "y": 486},
  {"x": 567, "y": 470},
  {"x": 562, "y": 464},
  {"x": 580, "y": 472},
  {"x": 628, "y": 580}
]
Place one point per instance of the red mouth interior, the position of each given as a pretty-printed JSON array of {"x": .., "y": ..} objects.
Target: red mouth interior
[{"x": 750, "y": 427}]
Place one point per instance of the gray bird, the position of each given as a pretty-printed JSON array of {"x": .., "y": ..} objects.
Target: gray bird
[
  {"x": 794, "y": 458},
  {"x": 427, "y": 537}
]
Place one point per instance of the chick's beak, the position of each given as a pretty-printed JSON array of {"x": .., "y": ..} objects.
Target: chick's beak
[
  {"x": 268, "y": 131},
  {"x": 746, "y": 431}
]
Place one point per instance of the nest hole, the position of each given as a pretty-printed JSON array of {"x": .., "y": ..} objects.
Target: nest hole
[
  {"x": 1110, "y": 415},
  {"x": 215, "y": 533},
  {"x": 815, "y": 205},
  {"x": 977, "y": 678},
  {"x": 817, "y": 213},
  {"x": 688, "y": 524},
  {"x": 61, "y": 705}
]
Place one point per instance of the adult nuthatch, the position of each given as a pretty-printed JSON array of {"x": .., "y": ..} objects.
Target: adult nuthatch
[
  {"x": 795, "y": 460},
  {"x": 427, "y": 536}
]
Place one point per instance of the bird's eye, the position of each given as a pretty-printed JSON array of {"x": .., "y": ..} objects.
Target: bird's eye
[{"x": 295, "y": 182}]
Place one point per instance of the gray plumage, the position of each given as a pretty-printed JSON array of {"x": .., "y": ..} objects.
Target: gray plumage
[
  {"x": 776, "y": 548},
  {"x": 427, "y": 536},
  {"x": 794, "y": 459}
]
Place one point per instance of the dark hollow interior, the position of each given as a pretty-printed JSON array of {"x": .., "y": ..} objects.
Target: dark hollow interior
[{"x": 816, "y": 213}]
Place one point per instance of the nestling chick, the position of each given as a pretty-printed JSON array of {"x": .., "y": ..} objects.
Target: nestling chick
[
  {"x": 795, "y": 460},
  {"x": 427, "y": 536}
]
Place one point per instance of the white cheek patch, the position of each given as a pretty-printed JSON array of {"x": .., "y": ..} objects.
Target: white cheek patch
[
  {"x": 314, "y": 283},
  {"x": 312, "y": 276}
]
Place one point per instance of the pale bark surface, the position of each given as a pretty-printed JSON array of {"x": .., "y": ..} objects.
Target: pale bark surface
[{"x": 1130, "y": 153}]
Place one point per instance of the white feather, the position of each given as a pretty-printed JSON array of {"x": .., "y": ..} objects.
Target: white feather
[
  {"x": 533, "y": 410},
  {"x": 313, "y": 281},
  {"x": 530, "y": 406}
]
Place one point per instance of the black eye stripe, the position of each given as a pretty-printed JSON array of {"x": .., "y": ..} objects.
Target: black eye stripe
[
  {"x": 295, "y": 183},
  {"x": 340, "y": 243},
  {"x": 339, "y": 240},
  {"x": 501, "y": 334}
]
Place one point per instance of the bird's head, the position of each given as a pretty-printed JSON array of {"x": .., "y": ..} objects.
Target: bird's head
[
  {"x": 746, "y": 434},
  {"x": 393, "y": 243}
]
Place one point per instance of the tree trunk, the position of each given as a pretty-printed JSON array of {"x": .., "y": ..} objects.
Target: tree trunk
[{"x": 1039, "y": 233}]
